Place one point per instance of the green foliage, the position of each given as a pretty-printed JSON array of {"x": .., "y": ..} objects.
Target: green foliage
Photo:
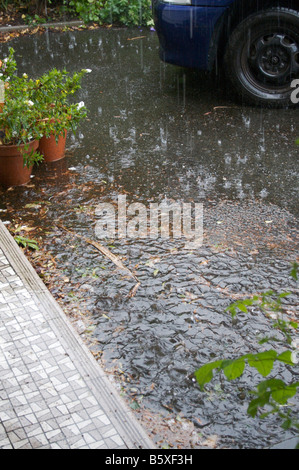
[
  {"x": 52, "y": 92},
  {"x": 126, "y": 12},
  {"x": 130, "y": 13},
  {"x": 8, "y": 66},
  {"x": 271, "y": 393},
  {"x": 37, "y": 108},
  {"x": 26, "y": 242},
  {"x": 4, "y": 4},
  {"x": 87, "y": 10},
  {"x": 233, "y": 368},
  {"x": 36, "y": 19},
  {"x": 18, "y": 120}
]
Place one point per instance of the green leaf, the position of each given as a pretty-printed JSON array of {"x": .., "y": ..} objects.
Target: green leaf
[
  {"x": 233, "y": 368},
  {"x": 281, "y": 396},
  {"x": 286, "y": 357},
  {"x": 205, "y": 373},
  {"x": 294, "y": 271},
  {"x": 242, "y": 307},
  {"x": 278, "y": 389},
  {"x": 284, "y": 294},
  {"x": 287, "y": 424},
  {"x": 256, "y": 403},
  {"x": 271, "y": 384},
  {"x": 263, "y": 362},
  {"x": 23, "y": 241}
]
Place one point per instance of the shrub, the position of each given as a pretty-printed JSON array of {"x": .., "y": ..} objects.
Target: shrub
[{"x": 126, "y": 12}]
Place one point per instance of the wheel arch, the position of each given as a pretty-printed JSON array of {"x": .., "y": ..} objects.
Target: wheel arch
[{"x": 234, "y": 15}]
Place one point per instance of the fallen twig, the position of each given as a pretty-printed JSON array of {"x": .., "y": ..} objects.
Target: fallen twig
[
  {"x": 104, "y": 251},
  {"x": 133, "y": 291}
]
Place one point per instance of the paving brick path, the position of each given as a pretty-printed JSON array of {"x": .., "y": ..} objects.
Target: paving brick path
[{"x": 53, "y": 393}]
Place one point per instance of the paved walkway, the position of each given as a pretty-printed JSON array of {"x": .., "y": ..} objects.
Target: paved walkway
[{"x": 53, "y": 393}]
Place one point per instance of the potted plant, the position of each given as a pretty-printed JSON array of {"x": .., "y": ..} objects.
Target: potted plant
[
  {"x": 58, "y": 116},
  {"x": 35, "y": 113},
  {"x": 19, "y": 134}
]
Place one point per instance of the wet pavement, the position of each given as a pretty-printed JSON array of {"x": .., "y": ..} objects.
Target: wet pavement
[
  {"x": 54, "y": 395},
  {"x": 157, "y": 132}
]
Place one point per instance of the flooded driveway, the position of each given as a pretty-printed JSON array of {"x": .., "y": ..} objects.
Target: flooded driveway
[{"x": 156, "y": 132}]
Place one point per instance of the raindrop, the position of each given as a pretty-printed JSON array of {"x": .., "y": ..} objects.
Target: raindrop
[
  {"x": 227, "y": 159},
  {"x": 263, "y": 193},
  {"x": 163, "y": 137},
  {"x": 246, "y": 121}
]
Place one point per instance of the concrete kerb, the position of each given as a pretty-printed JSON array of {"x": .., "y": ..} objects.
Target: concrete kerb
[
  {"x": 61, "y": 24},
  {"x": 132, "y": 433}
]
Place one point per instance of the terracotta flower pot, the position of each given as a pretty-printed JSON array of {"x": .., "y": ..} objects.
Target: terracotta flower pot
[
  {"x": 52, "y": 150},
  {"x": 12, "y": 170}
]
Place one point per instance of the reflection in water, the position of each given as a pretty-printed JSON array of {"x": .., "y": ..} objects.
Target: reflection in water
[{"x": 157, "y": 132}]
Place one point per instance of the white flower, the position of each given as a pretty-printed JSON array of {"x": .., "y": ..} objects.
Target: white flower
[
  {"x": 88, "y": 70},
  {"x": 1, "y": 74},
  {"x": 25, "y": 75},
  {"x": 29, "y": 102},
  {"x": 80, "y": 105}
]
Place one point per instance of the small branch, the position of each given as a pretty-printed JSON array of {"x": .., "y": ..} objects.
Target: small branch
[{"x": 104, "y": 251}]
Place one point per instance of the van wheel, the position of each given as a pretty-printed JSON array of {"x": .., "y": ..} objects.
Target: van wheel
[{"x": 262, "y": 57}]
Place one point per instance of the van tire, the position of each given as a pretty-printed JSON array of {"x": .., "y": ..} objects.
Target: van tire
[{"x": 262, "y": 57}]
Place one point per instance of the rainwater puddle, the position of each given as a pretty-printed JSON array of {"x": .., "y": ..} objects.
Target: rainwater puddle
[{"x": 157, "y": 132}]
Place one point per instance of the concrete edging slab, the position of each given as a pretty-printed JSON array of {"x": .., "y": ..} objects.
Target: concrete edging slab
[
  {"x": 60, "y": 24},
  {"x": 133, "y": 435}
]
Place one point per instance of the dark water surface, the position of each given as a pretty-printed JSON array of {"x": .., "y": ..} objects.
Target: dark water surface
[{"x": 157, "y": 132}]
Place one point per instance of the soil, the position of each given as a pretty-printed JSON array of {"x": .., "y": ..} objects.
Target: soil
[{"x": 35, "y": 23}]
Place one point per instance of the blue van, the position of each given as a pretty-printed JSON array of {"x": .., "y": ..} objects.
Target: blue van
[{"x": 256, "y": 42}]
